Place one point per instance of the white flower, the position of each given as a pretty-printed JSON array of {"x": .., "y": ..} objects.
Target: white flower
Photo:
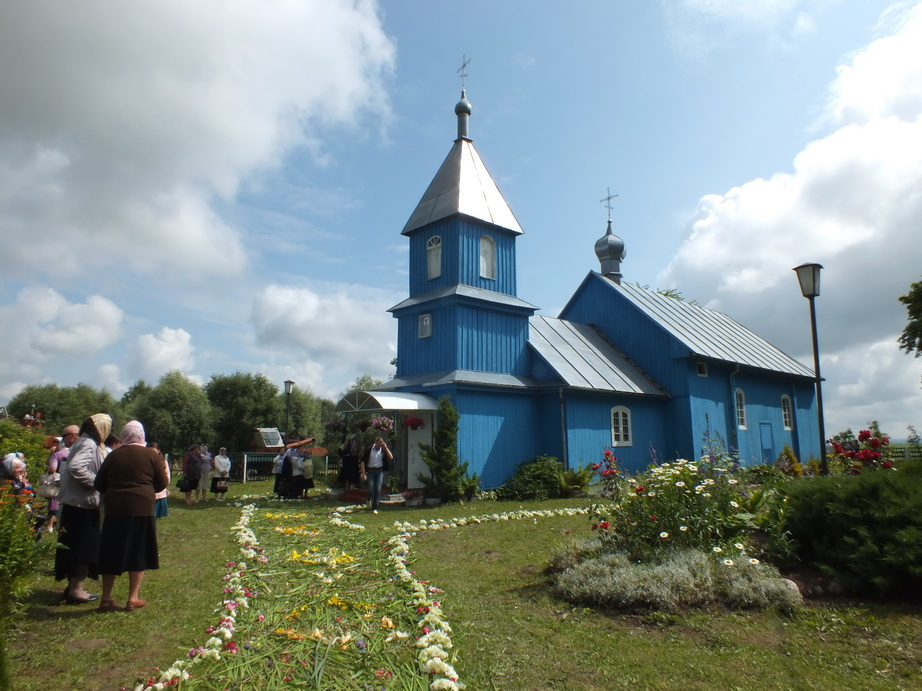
[
  {"x": 739, "y": 546},
  {"x": 717, "y": 550},
  {"x": 728, "y": 562},
  {"x": 734, "y": 505},
  {"x": 683, "y": 528},
  {"x": 680, "y": 483},
  {"x": 753, "y": 561},
  {"x": 664, "y": 535}
]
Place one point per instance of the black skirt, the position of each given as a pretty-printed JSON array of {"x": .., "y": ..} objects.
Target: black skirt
[
  {"x": 78, "y": 537},
  {"x": 129, "y": 543},
  {"x": 349, "y": 473}
]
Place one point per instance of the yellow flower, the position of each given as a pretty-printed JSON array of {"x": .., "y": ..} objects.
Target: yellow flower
[{"x": 387, "y": 623}]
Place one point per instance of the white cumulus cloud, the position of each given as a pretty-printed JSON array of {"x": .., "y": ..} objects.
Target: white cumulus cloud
[{"x": 852, "y": 203}]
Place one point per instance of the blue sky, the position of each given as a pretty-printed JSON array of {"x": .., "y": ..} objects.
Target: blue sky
[{"x": 217, "y": 187}]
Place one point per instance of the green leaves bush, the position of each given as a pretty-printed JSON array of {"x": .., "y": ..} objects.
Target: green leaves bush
[
  {"x": 864, "y": 531},
  {"x": 537, "y": 479}
]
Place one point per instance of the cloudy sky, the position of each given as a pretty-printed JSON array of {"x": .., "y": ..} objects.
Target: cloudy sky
[{"x": 220, "y": 186}]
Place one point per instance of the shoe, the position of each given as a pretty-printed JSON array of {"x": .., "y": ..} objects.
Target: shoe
[
  {"x": 375, "y": 512},
  {"x": 74, "y": 600},
  {"x": 132, "y": 605},
  {"x": 108, "y": 606}
]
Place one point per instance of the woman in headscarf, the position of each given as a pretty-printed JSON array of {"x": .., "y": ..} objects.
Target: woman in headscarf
[
  {"x": 76, "y": 559},
  {"x": 129, "y": 478},
  {"x": 13, "y": 469}
]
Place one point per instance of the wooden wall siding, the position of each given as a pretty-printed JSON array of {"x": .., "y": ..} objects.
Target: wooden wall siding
[
  {"x": 492, "y": 341},
  {"x": 497, "y": 431},
  {"x": 589, "y": 433},
  {"x": 425, "y": 355},
  {"x": 461, "y": 256},
  {"x": 646, "y": 343}
]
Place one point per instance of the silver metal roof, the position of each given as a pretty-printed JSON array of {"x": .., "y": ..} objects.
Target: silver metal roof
[
  {"x": 463, "y": 185},
  {"x": 584, "y": 359},
  {"x": 461, "y": 376},
  {"x": 370, "y": 401},
  {"x": 709, "y": 333},
  {"x": 463, "y": 291}
]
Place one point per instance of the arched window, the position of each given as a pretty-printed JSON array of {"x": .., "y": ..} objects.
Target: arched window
[
  {"x": 621, "y": 426},
  {"x": 740, "y": 409},
  {"x": 487, "y": 257},
  {"x": 434, "y": 257},
  {"x": 787, "y": 412}
]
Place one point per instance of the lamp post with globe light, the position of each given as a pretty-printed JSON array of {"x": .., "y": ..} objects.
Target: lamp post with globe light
[{"x": 809, "y": 277}]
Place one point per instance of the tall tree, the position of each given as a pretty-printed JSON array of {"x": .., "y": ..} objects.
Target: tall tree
[
  {"x": 62, "y": 406},
  {"x": 241, "y": 402},
  {"x": 911, "y": 338},
  {"x": 176, "y": 413}
]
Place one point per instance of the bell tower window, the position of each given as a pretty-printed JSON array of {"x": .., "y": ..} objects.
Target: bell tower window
[
  {"x": 487, "y": 257},
  {"x": 434, "y": 257}
]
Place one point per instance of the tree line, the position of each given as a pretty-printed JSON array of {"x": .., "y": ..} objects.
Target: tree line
[{"x": 177, "y": 412}]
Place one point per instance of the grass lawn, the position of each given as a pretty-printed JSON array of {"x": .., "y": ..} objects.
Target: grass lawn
[{"x": 507, "y": 630}]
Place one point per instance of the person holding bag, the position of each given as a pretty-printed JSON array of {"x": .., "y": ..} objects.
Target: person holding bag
[
  {"x": 77, "y": 557},
  {"x": 220, "y": 466}
]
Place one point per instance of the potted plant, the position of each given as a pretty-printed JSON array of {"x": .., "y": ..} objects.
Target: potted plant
[
  {"x": 393, "y": 486},
  {"x": 414, "y": 423},
  {"x": 413, "y": 497}
]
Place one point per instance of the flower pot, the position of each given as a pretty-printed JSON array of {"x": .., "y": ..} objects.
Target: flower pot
[
  {"x": 432, "y": 501},
  {"x": 395, "y": 497},
  {"x": 414, "y": 501}
]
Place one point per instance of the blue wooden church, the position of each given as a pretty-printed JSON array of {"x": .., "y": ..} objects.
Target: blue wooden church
[{"x": 621, "y": 367}]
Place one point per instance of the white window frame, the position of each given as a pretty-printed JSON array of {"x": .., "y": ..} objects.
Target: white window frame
[
  {"x": 741, "y": 409},
  {"x": 424, "y": 326},
  {"x": 487, "y": 257},
  {"x": 621, "y": 434},
  {"x": 434, "y": 257},
  {"x": 787, "y": 412}
]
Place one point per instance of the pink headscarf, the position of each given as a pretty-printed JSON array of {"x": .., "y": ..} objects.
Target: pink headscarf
[{"x": 133, "y": 434}]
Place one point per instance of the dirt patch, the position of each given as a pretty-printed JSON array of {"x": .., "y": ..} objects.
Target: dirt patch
[{"x": 88, "y": 644}]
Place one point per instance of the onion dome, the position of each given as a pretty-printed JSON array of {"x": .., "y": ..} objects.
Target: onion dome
[{"x": 610, "y": 251}]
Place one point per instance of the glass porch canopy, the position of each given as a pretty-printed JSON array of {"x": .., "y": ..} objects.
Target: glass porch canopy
[{"x": 377, "y": 401}]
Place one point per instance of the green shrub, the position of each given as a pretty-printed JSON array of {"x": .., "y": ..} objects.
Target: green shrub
[
  {"x": 673, "y": 506},
  {"x": 865, "y": 531},
  {"x": 537, "y": 479},
  {"x": 574, "y": 482},
  {"x": 685, "y": 578},
  {"x": 446, "y": 472}
]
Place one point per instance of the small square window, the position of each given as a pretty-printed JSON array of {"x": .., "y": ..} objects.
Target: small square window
[
  {"x": 425, "y": 325},
  {"x": 702, "y": 368}
]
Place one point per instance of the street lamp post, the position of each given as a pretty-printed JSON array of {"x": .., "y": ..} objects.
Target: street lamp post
[
  {"x": 809, "y": 277},
  {"x": 289, "y": 385}
]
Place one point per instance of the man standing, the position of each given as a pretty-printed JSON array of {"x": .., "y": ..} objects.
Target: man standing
[
  {"x": 376, "y": 462},
  {"x": 69, "y": 435}
]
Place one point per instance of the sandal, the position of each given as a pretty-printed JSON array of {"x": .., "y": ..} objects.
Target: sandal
[
  {"x": 132, "y": 605},
  {"x": 74, "y": 600},
  {"x": 108, "y": 606}
]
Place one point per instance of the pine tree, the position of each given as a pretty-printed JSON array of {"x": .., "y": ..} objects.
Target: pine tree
[{"x": 446, "y": 472}]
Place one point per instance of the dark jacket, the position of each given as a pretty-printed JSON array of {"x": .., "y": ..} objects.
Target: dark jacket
[{"x": 128, "y": 480}]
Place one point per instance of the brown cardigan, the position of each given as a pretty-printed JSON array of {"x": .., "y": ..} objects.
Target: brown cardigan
[{"x": 128, "y": 480}]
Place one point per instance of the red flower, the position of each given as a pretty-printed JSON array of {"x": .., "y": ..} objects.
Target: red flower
[
  {"x": 604, "y": 525},
  {"x": 864, "y": 435},
  {"x": 886, "y": 464},
  {"x": 596, "y": 466},
  {"x": 609, "y": 455},
  {"x": 652, "y": 518},
  {"x": 640, "y": 489},
  {"x": 874, "y": 442}
]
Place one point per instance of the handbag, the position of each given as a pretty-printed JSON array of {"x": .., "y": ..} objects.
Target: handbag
[
  {"x": 184, "y": 484},
  {"x": 49, "y": 484},
  {"x": 221, "y": 484}
]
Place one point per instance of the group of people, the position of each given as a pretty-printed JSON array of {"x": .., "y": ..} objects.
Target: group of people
[
  {"x": 203, "y": 472},
  {"x": 125, "y": 481},
  {"x": 294, "y": 470}
]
